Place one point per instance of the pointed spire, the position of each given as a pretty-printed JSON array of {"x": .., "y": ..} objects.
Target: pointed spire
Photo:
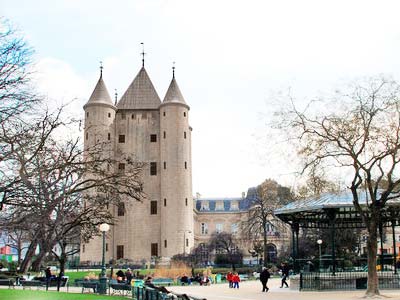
[
  {"x": 173, "y": 69},
  {"x": 143, "y": 54},
  {"x": 116, "y": 97},
  {"x": 100, "y": 93},
  {"x": 174, "y": 94}
]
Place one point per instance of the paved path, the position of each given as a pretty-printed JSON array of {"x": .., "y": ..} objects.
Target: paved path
[{"x": 251, "y": 290}]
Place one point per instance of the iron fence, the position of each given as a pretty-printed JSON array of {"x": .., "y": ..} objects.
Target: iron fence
[
  {"x": 317, "y": 281},
  {"x": 145, "y": 293}
]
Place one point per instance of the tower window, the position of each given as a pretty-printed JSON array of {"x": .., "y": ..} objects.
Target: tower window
[
  {"x": 153, "y": 168},
  {"x": 121, "y": 209},
  {"x": 87, "y": 114},
  {"x": 153, "y": 138},
  {"x": 184, "y": 114},
  {"x": 186, "y": 202},
  {"x": 165, "y": 243},
  {"x": 165, "y": 202},
  {"x": 165, "y": 165},
  {"x": 123, "y": 116},
  {"x": 144, "y": 115},
  {"x": 108, "y": 136},
  {"x": 83, "y": 248},
  {"x": 109, "y": 115},
  {"x": 187, "y": 242},
  {"x": 87, "y": 135},
  {"x": 154, "y": 249},
  {"x": 165, "y": 134},
  {"x": 185, "y": 165},
  {"x": 153, "y": 207},
  {"x": 106, "y": 247},
  {"x": 121, "y": 138},
  {"x": 184, "y": 134},
  {"x": 121, "y": 167},
  {"x": 120, "y": 251},
  {"x": 133, "y": 116},
  {"x": 164, "y": 113}
]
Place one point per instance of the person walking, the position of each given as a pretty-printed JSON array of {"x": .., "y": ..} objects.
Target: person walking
[
  {"x": 229, "y": 278},
  {"x": 285, "y": 274},
  {"x": 48, "y": 277},
  {"x": 264, "y": 276},
  {"x": 235, "y": 280}
]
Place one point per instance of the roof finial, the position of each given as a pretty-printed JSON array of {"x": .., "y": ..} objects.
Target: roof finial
[
  {"x": 173, "y": 69},
  {"x": 101, "y": 69},
  {"x": 116, "y": 97},
  {"x": 143, "y": 54}
]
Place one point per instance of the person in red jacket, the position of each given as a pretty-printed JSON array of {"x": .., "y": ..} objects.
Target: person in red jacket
[
  {"x": 229, "y": 278},
  {"x": 235, "y": 280}
]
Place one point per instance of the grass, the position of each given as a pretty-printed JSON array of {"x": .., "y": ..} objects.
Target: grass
[
  {"x": 51, "y": 295},
  {"x": 79, "y": 275}
]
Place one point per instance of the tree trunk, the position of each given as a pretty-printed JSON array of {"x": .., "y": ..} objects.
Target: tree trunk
[
  {"x": 38, "y": 261},
  {"x": 265, "y": 253},
  {"x": 372, "y": 249},
  {"x": 26, "y": 263}
]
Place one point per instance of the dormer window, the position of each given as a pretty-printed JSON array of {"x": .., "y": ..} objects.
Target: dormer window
[
  {"x": 204, "y": 205},
  {"x": 219, "y": 205},
  {"x": 234, "y": 205}
]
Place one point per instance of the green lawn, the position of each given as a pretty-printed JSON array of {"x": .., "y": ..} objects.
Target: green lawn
[
  {"x": 51, "y": 295},
  {"x": 78, "y": 275}
]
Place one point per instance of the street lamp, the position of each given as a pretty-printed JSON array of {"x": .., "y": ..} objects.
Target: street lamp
[
  {"x": 319, "y": 242},
  {"x": 103, "y": 279}
]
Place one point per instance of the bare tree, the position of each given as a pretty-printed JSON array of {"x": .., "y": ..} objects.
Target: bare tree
[
  {"x": 270, "y": 195},
  {"x": 224, "y": 243},
  {"x": 358, "y": 133}
]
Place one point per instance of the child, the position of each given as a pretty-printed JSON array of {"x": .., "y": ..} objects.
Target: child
[
  {"x": 235, "y": 280},
  {"x": 229, "y": 278}
]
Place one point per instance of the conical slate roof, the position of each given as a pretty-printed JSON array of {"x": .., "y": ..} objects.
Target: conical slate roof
[
  {"x": 140, "y": 94},
  {"x": 174, "y": 94},
  {"x": 100, "y": 94}
]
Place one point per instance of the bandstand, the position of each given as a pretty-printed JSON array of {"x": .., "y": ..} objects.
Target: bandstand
[{"x": 336, "y": 212}]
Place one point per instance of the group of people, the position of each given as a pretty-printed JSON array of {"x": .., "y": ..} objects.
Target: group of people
[
  {"x": 202, "y": 280},
  {"x": 233, "y": 280},
  {"x": 265, "y": 275},
  {"x": 124, "y": 277}
]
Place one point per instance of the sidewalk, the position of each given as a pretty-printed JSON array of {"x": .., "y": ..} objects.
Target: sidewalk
[{"x": 251, "y": 290}]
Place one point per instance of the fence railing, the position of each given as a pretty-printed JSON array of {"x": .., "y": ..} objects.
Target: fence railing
[
  {"x": 316, "y": 281},
  {"x": 145, "y": 293}
]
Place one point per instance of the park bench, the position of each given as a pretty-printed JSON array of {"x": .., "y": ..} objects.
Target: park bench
[
  {"x": 7, "y": 282},
  {"x": 163, "y": 281},
  {"x": 243, "y": 277},
  {"x": 90, "y": 285},
  {"x": 31, "y": 283},
  {"x": 120, "y": 288}
]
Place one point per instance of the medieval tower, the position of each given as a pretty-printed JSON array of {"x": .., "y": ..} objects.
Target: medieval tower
[{"x": 158, "y": 134}]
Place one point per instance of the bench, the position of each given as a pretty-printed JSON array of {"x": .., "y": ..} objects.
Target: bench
[
  {"x": 90, "y": 285},
  {"x": 31, "y": 283},
  {"x": 243, "y": 277},
  {"x": 163, "y": 281},
  {"x": 7, "y": 282},
  {"x": 121, "y": 288}
]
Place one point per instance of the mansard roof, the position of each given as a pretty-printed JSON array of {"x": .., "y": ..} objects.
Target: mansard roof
[
  {"x": 100, "y": 94},
  {"x": 141, "y": 94}
]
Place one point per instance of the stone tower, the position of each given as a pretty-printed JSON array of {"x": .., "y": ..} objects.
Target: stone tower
[{"x": 157, "y": 133}]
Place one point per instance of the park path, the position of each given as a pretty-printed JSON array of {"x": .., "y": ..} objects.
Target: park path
[{"x": 251, "y": 290}]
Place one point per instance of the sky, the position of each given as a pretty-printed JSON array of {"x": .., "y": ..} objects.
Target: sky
[{"x": 231, "y": 58}]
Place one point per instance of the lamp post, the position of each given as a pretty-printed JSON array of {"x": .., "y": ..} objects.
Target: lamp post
[
  {"x": 184, "y": 241},
  {"x": 103, "y": 279},
  {"x": 319, "y": 242}
]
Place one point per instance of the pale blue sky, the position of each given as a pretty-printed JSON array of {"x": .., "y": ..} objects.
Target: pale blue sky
[{"x": 230, "y": 57}]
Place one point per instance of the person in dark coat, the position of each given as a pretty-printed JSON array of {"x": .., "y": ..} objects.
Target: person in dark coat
[
  {"x": 264, "y": 276},
  {"x": 128, "y": 276},
  {"x": 285, "y": 274}
]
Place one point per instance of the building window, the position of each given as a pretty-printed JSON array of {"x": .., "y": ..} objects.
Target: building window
[
  {"x": 87, "y": 135},
  {"x": 109, "y": 115},
  {"x": 120, "y": 251},
  {"x": 87, "y": 114},
  {"x": 185, "y": 165},
  {"x": 219, "y": 227},
  {"x": 153, "y": 168},
  {"x": 83, "y": 248},
  {"x": 133, "y": 116},
  {"x": 121, "y": 167},
  {"x": 123, "y": 116},
  {"x": 204, "y": 228},
  {"x": 154, "y": 249},
  {"x": 106, "y": 247},
  {"x": 165, "y": 202},
  {"x": 108, "y": 136},
  {"x": 165, "y": 165},
  {"x": 204, "y": 205},
  {"x": 165, "y": 134},
  {"x": 184, "y": 114},
  {"x": 219, "y": 205},
  {"x": 234, "y": 228},
  {"x": 165, "y": 243},
  {"x": 153, "y": 207},
  {"x": 184, "y": 134},
  {"x": 187, "y": 242},
  {"x": 164, "y": 113},
  {"x": 153, "y": 138},
  {"x": 234, "y": 205},
  {"x": 186, "y": 202},
  {"x": 121, "y": 209},
  {"x": 121, "y": 138},
  {"x": 144, "y": 116}
]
